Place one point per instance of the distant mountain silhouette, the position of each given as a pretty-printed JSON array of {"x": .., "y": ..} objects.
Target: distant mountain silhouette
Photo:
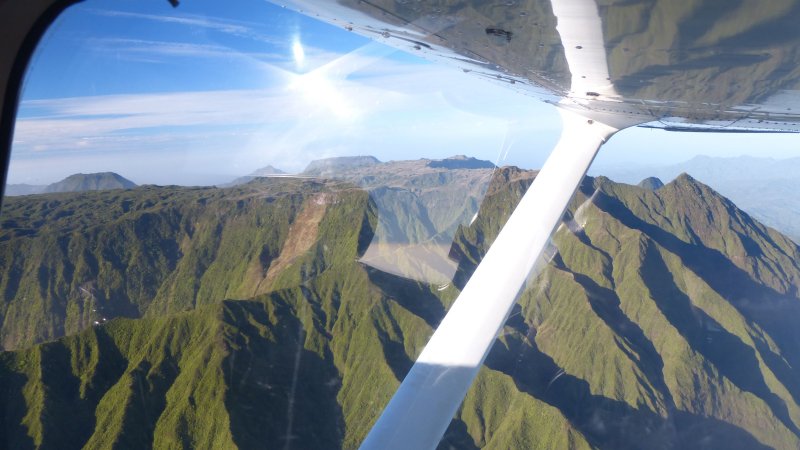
[
  {"x": 24, "y": 189},
  {"x": 651, "y": 183},
  {"x": 337, "y": 165},
  {"x": 81, "y": 182},
  {"x": 262, "y": 172},
  {"x": 265, "y": 171},
  {"x": 461, "y": 162}
]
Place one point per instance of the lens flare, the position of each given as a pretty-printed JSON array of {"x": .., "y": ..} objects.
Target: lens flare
[{"x": 299, "y": 54}]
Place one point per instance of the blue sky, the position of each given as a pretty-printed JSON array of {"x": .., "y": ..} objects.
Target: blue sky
[{"x": 208, "y": 91}]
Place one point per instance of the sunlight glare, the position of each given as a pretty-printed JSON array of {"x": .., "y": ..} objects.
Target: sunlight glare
[
  {"x": 299, "y": 54},
  {"x": 319, "y": 90}
]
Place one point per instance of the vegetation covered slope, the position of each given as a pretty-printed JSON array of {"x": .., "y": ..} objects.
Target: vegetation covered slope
[
  {"x": 311, "y": 363},
  {"x": 664, "y": 320},
  {"x": 764, "y": 187},
  {"x": 72, "y": 259}
]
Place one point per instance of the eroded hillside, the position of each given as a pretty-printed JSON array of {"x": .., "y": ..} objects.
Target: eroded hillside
[{"x": 663, "y": 320}]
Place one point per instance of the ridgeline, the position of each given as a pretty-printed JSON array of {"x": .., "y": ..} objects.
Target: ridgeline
[{"x": 242, "y": 317}]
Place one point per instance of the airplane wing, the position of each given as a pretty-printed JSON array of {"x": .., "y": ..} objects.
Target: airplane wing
[{"x": 700, "y": 63}]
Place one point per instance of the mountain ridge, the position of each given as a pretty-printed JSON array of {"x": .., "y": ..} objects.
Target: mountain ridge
[
  {"x": 765, "y": 187},
  {"x": 265, "y": 171},
  {"x": 652, "y": 183},
  {"x": 663, "y": 319},
  {"x": 330, "y": 166}
]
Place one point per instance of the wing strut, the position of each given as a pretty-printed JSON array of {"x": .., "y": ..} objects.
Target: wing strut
[{"x": 428, "y": 398}]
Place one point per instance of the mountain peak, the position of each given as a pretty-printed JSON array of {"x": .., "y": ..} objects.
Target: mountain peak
[
  {"x": 329, "y": 166},
  {"x": 266, "y": 171},
  {"x": 80, "y": 182},
  {"x": 651, "y": 183},
  {"x": 461, "y": 162},
  {"x": 685, "y": 178}
]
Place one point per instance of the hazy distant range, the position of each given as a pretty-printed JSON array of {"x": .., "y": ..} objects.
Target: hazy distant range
[
  {"x": 79, "y": 182},
  {"x": 766, "y": 188}
]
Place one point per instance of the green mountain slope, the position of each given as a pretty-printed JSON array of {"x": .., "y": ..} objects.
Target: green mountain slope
[
  {"x": 314, "y": 362},
  {"x": 73, "y": 259},
  {"x": 664, "y": 320},
  {"x": 764, "y": 187}
]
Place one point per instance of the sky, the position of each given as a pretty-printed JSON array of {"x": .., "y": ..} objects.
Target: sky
[{"x": 210, "y": 91}]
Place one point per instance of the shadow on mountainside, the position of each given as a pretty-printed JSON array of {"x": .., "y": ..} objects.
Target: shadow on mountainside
[
  {"x": 774, "y": 312},
  {"x": 734, "y": 359},
  {"x": 608, "y": 423},
  {"x": 279, "y": 393},
  {"x": 70, "y": 420}
]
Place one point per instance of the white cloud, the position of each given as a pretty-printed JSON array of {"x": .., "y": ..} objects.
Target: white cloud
[
  {"x": 355, "y": 105},
  {"x": 153, "y": 49},
  {"x": 230, "y": 27},
  {"x": 190, "y": 53}
]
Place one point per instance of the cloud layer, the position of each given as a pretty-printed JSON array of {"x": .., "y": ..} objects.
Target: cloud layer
[{"x": 359, "y": 103}]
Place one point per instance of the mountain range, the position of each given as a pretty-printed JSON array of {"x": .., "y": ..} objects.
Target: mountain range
[
  {"x": 245, "y": 317},
  {"x": 334, "y": 166},
  {"x": 764, "y": 187},
  {"x": 266, "y": 171},
  {"x": 420, "y": 205}
]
